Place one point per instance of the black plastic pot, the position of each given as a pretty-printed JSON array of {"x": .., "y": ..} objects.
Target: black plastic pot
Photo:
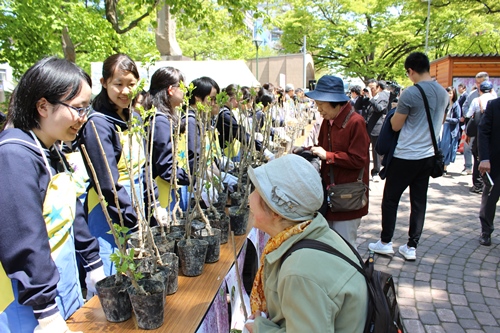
[
  {"x": 213, "y": 239},
  {"x": 192, "y": 255},
  {"x": 222, "y": 201},
  {"x": 172, "y": 261},
  {"x": 176, "y": 236},
  {"x": 114, "y": 299},
  {"x": 162, "y": 274},
  {"x": 222, "y": 223},
  {"x": 181, "y": 226},
  {"x": 149, "y": 309},
  {"x": 162, "y": 242},
  {"x": 146, "y": 264},
  {"x": 238, "y": 219}
]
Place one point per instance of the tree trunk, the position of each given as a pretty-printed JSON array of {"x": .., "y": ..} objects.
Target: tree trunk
[
  {"x": 67, "y": 45},
  {"x": 165, "y": 34}
]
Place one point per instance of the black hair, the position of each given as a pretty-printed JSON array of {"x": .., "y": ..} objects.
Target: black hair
[
  {"x": 231, "y": 90},
  {"x": 56, "y": 80},
  {"x": 269, "y": 87},
  {"x": 281, "y": 95},
  {"x": 115, "y": 62},
  {"x": 418, "y": 62},
  {"x": 356, "y": 89},
  {"x": 162, "y": 79},
  {"x": 454, "y": 98},
  {"x": 202, "y": 88},
  {"x": 382, "y": 84},
  {"x": 247, "y": 96},
  {"x": 265, "y": 97}
]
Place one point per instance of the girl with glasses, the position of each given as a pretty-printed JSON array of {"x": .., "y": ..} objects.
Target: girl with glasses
[{"x": 42, "y": 221}]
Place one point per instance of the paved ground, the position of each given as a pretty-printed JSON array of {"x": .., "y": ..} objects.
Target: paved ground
[{"x": 453, "y": 286}]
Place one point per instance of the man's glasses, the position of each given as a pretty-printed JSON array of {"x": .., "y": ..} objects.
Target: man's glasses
[{"x": 82, "y": 112}]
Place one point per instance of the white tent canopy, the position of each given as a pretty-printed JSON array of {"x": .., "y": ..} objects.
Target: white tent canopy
[{"x": 224, "y": 72}]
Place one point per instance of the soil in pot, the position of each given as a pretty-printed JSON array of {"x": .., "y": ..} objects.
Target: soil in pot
[
  {"x": 181, "y": 226},
  {"x": 172, "y": 261},
  {"x": 213, "y": 239},
  {"x": 238, "y": 219},
  {"x": 146, "y": 264},
  {"x": 222, "y": 223},
  {"x": 236, "y": 198},
  {"x": 149, "y": 309},
  {"x": 114, "y": 298},
  {"x": 164, "y": 245},
  {"x": 192, "y": 255}
]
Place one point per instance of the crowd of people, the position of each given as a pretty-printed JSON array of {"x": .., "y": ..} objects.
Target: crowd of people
[{"x": 50, "y": 226}]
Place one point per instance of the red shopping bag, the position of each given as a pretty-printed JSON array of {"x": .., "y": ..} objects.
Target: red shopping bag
[{"x": 461, "y": 144}]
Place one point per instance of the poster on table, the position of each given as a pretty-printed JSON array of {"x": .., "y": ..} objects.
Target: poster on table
[
  {"x": 217, "y": 318},
  {"x": 237, "y": 298}
]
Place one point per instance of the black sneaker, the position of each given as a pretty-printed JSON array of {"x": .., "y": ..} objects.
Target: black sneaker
[
  {"x": 476, "y": 189},
  {"x": 485, "y": 239}
]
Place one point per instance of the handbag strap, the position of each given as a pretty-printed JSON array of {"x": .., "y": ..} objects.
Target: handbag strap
[
  {"x": 429, "y": 120},
  {"x": 344, "y": 124}
]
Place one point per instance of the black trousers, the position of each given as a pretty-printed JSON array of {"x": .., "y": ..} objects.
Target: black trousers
[
  {"x": 375, "y": 157},
  {"x": 401, "y": 175},
  {"x": 477, "y": 181},
  {"x": 489, "y": 206}
]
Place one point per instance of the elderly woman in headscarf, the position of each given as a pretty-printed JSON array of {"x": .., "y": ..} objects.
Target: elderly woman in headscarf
[{"x": 312, "y": 290}]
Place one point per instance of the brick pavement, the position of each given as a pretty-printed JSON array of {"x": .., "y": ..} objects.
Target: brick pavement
[{"x": 453, "y": 286}]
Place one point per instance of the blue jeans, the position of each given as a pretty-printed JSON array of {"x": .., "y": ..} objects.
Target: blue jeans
[{"x": 468, "y": 155}]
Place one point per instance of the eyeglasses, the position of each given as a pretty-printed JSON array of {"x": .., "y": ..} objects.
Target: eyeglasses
[
  {"x": 82, "y": 112},
  {"x": 408, "y": 72}
]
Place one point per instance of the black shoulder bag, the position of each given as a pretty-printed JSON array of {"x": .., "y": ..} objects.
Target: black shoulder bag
[
  {"x": 438, "y": 168},
  {"x": 383, "y": 310}
]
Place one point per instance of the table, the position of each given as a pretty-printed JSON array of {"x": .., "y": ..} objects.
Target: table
[{"x": 184, "y": 310}]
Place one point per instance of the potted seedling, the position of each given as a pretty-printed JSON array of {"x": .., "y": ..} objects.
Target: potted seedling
[
  {"x": 238, "y": 212},
  {"x": 141, "y": 292},
  {"x": 192, "y": 251}
]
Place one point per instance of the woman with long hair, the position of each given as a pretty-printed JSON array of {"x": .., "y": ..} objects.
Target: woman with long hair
[
  {"x": 450, "y": 131},
  {"x": 165, "y": 95},
  {"x": 124, "y": 157}
]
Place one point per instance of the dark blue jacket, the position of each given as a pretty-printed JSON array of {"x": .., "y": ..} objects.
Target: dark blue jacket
[
  {"x": 24, "y": 247},
  {"x": 488, "y": 137},
  {"x": 387, "y": 142}
]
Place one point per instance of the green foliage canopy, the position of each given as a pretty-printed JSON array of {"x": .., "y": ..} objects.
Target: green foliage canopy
[{"x": 370, "y": 39}]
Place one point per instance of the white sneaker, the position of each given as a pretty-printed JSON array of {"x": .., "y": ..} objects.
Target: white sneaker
[
  {"x": 380, "y": 248},
  {"x": 376, "y": 178},
  {"x": 409, "y": 253}
]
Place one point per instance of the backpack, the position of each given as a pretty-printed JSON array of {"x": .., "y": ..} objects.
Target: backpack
[{"x": 383, "y": 310}]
